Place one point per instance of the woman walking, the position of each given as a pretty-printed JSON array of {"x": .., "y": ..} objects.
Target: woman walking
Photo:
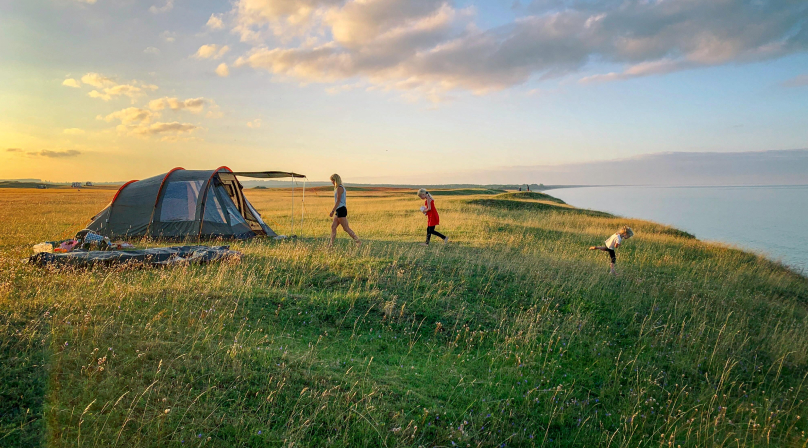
[
  {"x": 432, "y": 217},
  {"x": 341, "y": 218}
]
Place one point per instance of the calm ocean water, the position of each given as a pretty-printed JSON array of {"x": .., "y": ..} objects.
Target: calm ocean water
[{"x": 769, "y": 220}]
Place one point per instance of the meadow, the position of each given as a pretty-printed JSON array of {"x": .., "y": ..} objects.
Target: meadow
[{"x": 512, "y": 335}]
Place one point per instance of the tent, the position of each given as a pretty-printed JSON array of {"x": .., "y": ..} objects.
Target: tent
[{"x": 185, "y": 204}]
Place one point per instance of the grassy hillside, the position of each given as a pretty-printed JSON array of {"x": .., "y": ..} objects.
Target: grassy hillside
[{"x": 512, "y": 335}]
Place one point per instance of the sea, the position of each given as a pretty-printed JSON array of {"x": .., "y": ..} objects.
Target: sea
[{"x": 769, "y": 220}]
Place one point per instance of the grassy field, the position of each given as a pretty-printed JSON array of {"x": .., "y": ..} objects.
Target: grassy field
[{"x": 512, "y": 335}]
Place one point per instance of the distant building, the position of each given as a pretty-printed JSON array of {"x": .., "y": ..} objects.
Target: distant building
[
  {"x": 76, "y": 185},
  {"x": 88, "y": 184},
  {"x": 42, "y": 187}
]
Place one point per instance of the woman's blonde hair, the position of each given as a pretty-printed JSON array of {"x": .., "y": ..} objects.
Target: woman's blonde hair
[
  {"x": 336, "y": 179},
  {"x": 627, "y": 231},
  {"x": 422, "y": 191}
]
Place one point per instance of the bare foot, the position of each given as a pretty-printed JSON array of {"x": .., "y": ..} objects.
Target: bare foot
[
  {"x": 424, "y": 244},
  {"x": 592, "y": 247},
  {"x": 446, "y": 240},
  {"x": 358, "y": 243}
]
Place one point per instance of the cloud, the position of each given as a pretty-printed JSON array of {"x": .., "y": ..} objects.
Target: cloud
[
  {"x": 73, "y": 131},
  {"x": 430, "y": 47},
  {"x": 173, "y": 128},
  {"x": 70, "y": 82},
  {"x": 797, "y": 81},
  {"x": 57, "y": 154},
  {"x": 130, "y": 115},
  {"x": 47, "y": 153},
  {"x": 152, "y": 50},
  {"x": 215, "y": 22},
  {"x": 168, "y": 36},
  {"x": 89, "y": 2},
  {"x": 195, "y": 105},
  {"x": 222, "y": 70},
  {"x": 115, "y": 91},
  {"x": 166, "y": 8},
  {"x": 96, "y": 80},
  {"x": 212, "y": 51},
  {"x": 109, "y": 88},
  {"x": 255, "y": 124}
]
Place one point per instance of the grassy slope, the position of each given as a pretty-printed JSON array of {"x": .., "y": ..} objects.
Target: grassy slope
[{"x": 513, "y": 335}]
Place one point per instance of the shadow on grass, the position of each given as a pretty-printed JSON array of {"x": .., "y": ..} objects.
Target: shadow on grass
[{"x": 24, "y": 378}]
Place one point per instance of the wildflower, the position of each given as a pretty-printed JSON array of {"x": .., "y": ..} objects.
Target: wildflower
[{"x": 167, "y": 411}]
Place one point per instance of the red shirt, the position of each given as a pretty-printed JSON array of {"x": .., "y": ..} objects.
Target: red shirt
[{"x": 432, "y": 217}]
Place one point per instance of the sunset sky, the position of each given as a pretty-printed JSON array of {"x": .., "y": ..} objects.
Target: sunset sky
[{"x": 405, "y": 90}]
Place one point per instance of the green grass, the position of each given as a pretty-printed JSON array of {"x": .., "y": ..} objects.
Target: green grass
[{"x": 513, "y": 334}]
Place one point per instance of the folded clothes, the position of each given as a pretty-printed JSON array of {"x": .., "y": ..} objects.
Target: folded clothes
[{"x": 159, "y": 256}]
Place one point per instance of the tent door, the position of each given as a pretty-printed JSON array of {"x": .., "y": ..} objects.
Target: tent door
[{"x": 233, "y": 188}]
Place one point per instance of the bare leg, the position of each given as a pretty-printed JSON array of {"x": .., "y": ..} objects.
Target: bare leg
[
  {"x": 347, "y": 228},
  {"x": 334, "y": 225},
  {"x": 611, "y": 269}
]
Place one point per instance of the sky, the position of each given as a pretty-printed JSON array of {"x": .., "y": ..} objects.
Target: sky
[{"x": 402, "y": 90}]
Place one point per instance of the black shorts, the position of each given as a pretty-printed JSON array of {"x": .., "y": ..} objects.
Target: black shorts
[
  {"x": 612, "y": 255},
  {"x": 342, "y": 212}
]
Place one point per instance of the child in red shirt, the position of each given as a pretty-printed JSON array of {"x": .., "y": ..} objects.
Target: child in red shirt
[{"x": 432, "y": 217}]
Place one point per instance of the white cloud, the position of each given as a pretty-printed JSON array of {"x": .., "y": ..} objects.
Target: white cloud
[
  {"x": 166, "y": 8},
  {"x": 195, "y": 105},
  {"x": 152, "y": 50},
  {"x": 222, "y": 70},
  {"x": 70, "y": 82},
  {"x": 97, "y": 80},
  {"x": 131, "y": 115},
  {"x": 211, "y": 51},
  {"x": 107, "y": 88},
  {"x": 429, "y": 47},
  {"x": 255, "y": 124},
  {"x": 89, "y": 2},
  {"x": 73, "y": 131},
  {"x": 163, "y": 129},
  {"x": 215, "y": 22},
  {"x": 116, "y": 91}
]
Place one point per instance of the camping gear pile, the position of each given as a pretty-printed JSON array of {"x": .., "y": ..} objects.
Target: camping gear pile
[
  {"x": 84, "y": 240},
  {"x": 158, "y": 256}
]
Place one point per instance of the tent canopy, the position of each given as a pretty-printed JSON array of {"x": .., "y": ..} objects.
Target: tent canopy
[
  {"x": 268, "y": 174},
  {"x": 183, "y": 204}
]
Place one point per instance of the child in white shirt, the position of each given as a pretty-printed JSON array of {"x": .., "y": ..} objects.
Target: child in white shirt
[{"x": 613, "y": 243}]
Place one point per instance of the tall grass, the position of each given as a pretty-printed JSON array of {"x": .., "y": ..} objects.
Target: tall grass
[{"x": 512, "y": 335}]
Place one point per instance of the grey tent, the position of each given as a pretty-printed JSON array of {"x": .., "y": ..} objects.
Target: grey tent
[{"x": 184, "y": 204}]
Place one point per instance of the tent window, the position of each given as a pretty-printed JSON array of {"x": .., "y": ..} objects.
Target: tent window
[
  {"x": 179, "y": 201},
  {"x": 235, "y": 215},
  {"x": 213, "y": 209},
  {"x": 252, "y": 210}
]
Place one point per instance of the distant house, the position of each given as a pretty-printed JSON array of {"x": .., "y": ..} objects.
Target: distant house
[
  {"x": 76, "y": 185},
  {"x": 42, "y": 186},
  {"x": 88, "y": 184}
]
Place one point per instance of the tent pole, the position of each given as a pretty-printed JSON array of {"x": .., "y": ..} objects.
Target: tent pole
[
  {"x": 292, "y": 232},
  {"x": 303, "y": 207}
]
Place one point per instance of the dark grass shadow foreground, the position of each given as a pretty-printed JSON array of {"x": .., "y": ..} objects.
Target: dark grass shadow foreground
[{"x": 24, "y": 378}]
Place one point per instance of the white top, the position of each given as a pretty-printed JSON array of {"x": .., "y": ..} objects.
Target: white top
[
  {"x": 342, "y": 197},
  {"x": 614, "y": 240}
]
